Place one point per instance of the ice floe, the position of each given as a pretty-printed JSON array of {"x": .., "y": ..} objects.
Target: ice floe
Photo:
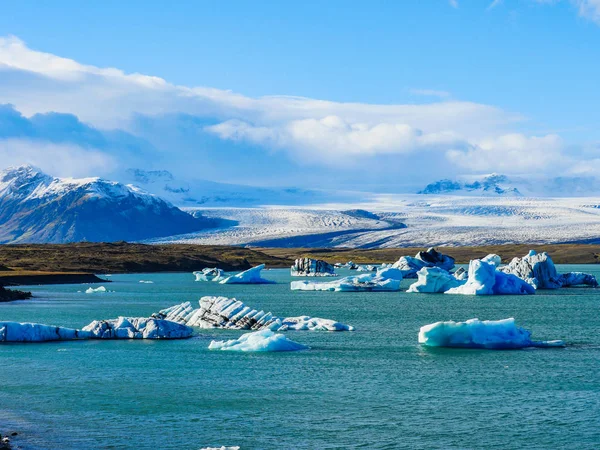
[
  {"x": 539, "y": 271},
  {"x": 434, "y": 279},
  {"x": 250, "y": 276},
  {"x": 223, "y": 312},
  {"x": 309, "y": 267},
  {"x": 431, "y": 258},
  {"x": 37, "y": 332},
  {"x": 97, "y": 290},
  {"x": 209, "y": 274},
  {"x": 121, "y": 328},
  {"x": 387, "y": 279},
  {"x": 486, "y": 334},
  {"x": 146, "y": 282},
  {"x": 258, "y": 341},
  {"x": 137, "y": 328},
  {"x": 484, "y": 279}
]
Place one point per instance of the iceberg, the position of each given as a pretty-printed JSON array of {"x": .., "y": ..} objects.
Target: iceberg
[
  {"x": 137, "y": 328},
  {"x": 484, "y": 279},
  {"x": 209, "y": 274},
  {"x": 578, "y": 279},
  {"x": 258, "y": 341},
  {"x": 250, "y": 276},
  {"x": 368, "y": 282},
  {"x": 308, "y": 267},
  {"x": 434, "y": 279},
  {"x": 431, "y": 258},
  {"x": 92, "y": 290},
  {"x": 146, "y": 282},
  {"x": 539, "y": 271},
  {"x": 121, "y": 328},
  {"x": 223, "y": 312},
  {"x": 461, "y": 274},
  {"x": 486, "y": 334},
  {"x": 37, "y": 332}
]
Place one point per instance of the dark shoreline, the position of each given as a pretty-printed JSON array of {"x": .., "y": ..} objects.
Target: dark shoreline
[{"x": 39, "y": 264}]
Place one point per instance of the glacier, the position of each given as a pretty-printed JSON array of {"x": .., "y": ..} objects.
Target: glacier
[
  {"x": 250, "y": 276},
  {"x": 258, "y": 341},
  {"x": 309, "y": 267},
  {"x": 223, "y": 312},
  {"x": 430, "y": 258},
  {"x": 209, "y": 274},
  {"x": 486, "y": 334}
]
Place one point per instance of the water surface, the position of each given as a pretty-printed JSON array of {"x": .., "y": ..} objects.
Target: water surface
[{"x": 373, "y": 388}]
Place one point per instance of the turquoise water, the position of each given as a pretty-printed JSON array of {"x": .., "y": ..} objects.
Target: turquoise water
[{"x": 373, "y": 388}]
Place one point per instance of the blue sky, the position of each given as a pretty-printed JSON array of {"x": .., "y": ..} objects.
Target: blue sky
[{"x": 535, "y": 63}]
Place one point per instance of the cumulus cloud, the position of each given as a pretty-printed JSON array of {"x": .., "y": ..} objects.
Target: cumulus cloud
[{"x": 132, "y": 119}]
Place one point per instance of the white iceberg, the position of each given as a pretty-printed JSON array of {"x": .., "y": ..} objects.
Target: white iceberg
[
  {"x": 223, "y": 312},
  {"x": 486, "y": 334},
  {"x": 539, "y": 270},
  {"x": 209, "y": 274},
  {"x": 360, "y": 283},
  {"x": 37, "y": 332},
  {"x": 484, "y": 279},
  {"x": 434, "y": 279},
  {"x": 431, "y": 258},
  {"x": 308, "y": 267},
  {"x": 250, "y": 276},
  {"x": 137, "y": 328},
  {"x": 258, "y": 341},
  {"x": 92, "y": 290},
  {"x": 146, "y": 282},
  {"x": 121, "y": 328}
]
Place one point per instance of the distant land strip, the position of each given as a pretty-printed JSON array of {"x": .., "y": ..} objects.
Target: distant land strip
[{"x": 78, "y": 262}]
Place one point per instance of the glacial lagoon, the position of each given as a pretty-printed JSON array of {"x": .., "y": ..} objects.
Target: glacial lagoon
[{"x": 375, "y": 387}]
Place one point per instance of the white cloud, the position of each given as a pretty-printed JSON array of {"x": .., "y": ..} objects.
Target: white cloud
[
  {"x": 513, "y": 153},
  {"x": 589, "y": 9},
  {"x": 56, "y": 159},
  {"x": 453, "y": 3},
  {"x": 462, "y": 135}
]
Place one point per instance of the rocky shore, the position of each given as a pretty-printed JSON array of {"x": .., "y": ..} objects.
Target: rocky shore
[{"x": 8, "y": 295}]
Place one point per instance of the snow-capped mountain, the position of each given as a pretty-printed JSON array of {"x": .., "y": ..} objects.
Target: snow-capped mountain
[
  {"x": 515, "y": 186},
  {"x": 195, "y": 193},
  {"x": 36, "y": 207},
  {"x": 492, "y": 184}
]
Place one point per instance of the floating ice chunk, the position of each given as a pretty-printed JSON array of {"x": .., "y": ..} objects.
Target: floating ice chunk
[
  {"x": 359, "y": 283},
  {"x": 431, "y": 258},
  {"x": 461, "y": 274},
  {"x": 487, "y": 334},
  {"x": 509, "y": 284},
  {"x": 577, "y": 279},
  {"x": 209, "y": 274},
  {"x": 250, "y": 276},
  {"x": 536, "y": 269},
  {"x": 539, "y": 270},
  {"x": 92, "y": 290},
  {"x": 484, "y": 279},
  {"x": 223, "y": 312},
  {"x": 37, "y": 332},
  {"x": 308, "y": 267},
  {"x": 146, "y": 282},
  {"x": 258, "y": 341},
  {"x": 137, "y": 328},
  {"x": 434, "y": 279},
  {"x": 220, "y": 448}
]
